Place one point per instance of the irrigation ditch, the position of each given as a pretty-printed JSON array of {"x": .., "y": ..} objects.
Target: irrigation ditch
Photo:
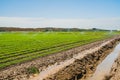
[
  {"x": 74, "y": 64},
  {"x": 103, "y": 70},
  {"x": 83, "y": 65},
  {"x": 115, "y": 70}
]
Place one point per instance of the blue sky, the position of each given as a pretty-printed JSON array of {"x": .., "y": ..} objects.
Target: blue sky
[{"x": 60, "y": 10}]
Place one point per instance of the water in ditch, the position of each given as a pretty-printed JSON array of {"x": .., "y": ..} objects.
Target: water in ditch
[{"x": 105, "y": 66}]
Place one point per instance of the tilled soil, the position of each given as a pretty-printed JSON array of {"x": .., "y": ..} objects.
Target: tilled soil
[{"x": 18, "y": 72}]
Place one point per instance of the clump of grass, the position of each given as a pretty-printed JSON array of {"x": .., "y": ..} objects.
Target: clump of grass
[{"x": 33, "y": 70}]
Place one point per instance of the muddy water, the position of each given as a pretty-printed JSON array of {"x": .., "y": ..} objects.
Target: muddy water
[{"x": 104, "y": 67}]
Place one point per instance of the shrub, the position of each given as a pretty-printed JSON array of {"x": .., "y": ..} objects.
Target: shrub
[{"x": 32, "y": 70}]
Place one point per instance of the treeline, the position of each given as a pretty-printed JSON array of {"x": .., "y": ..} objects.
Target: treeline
[{"x": 2, "y": 29}]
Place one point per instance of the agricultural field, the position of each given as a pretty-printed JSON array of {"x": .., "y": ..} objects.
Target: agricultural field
[{"x": 18, "y": 47}]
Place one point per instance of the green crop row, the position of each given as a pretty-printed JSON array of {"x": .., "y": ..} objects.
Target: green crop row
[{"x": 18, "y": 47}]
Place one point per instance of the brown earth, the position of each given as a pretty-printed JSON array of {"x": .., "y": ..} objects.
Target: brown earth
[{"x": 80, "y": 67}]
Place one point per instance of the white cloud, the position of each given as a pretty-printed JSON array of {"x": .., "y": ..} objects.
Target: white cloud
[{"x": 109, "y": 23}]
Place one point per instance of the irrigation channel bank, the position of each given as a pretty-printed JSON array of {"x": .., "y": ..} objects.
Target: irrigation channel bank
[{"x": 84, "y": 64}]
